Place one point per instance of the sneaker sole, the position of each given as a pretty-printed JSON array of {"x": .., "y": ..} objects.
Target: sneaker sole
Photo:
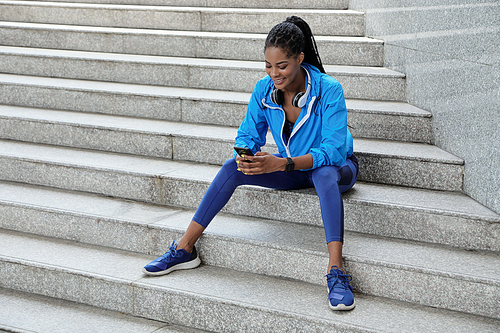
[
  {"x": 185, "y": 265},
  {"x": 342, "y": 307}
]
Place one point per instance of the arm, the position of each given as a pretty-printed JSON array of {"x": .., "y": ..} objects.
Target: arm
[
  {"x": 253, "y": 129},
  {"x": 264, "y": 163}
]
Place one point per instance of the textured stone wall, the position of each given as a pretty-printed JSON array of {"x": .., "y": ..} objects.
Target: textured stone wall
[{"x": 450, "y": 52}]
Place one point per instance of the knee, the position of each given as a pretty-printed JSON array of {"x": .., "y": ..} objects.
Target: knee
[
  {"x": 230, "y": 165},
  {"x": 326, "y": 175},
  {"x": 229, "y": 170},
  {"x": 326, "y": 179}
]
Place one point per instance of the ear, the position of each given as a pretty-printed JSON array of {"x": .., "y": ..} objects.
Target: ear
[{"x": 300, "y": 58}]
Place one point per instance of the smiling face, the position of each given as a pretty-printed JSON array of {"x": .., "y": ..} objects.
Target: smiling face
[{"x": 282, "y": 69}]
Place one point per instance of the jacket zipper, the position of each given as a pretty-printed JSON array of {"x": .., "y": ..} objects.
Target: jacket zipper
[{"x": 296, "y": 128}]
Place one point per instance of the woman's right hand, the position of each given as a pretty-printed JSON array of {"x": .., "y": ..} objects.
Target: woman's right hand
[{"x": 261, "y": 163}]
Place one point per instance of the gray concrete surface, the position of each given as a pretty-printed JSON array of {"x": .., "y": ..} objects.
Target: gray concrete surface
[
  {"x": 121, "y": 286},
  {"x": 449, "y": 51}
]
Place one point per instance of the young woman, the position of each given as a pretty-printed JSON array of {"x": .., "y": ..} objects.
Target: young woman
[{"x": 305, "y": 111}]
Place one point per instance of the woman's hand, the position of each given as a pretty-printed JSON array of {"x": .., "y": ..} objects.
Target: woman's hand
[{"x": 261, "y": 163}]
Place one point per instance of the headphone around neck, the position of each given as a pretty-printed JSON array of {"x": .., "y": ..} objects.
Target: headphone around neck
[{"x": 298, "y": 100}]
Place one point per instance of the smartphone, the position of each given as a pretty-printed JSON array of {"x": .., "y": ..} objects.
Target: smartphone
[{"x": 243, "y": 151}]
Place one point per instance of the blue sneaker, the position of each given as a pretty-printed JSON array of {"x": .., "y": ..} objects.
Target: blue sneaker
[
  {"x": 340, "y": 295},
  {"x": 172, "y": 260}
]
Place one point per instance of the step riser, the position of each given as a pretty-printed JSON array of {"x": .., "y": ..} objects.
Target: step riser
[
  {"x": 373, "y": 168},
  {"x": 421, "y": 174},
  {"x": 89, "y": 137},
  {"x": 341, "y": 23},
  {"x": 366, "y": 217},
  {"x": 155, "y": 107},
  {"x": 359, "y": 87},
  {"x": 192, "y": 46},
  {"x": 299, "y": 4},
  {"x": 374, "y": 126},
  {"x": 170, "y": 108},
  {"x": 26, "y": 312},
  {"x": 478, "y": 298},
  {"x": 155, "y": 303},
  {"x": 136, "y": 73},
  {"x": 428, "y": 227}
]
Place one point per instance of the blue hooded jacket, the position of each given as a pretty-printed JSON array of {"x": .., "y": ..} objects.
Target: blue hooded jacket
[{"x": 320, "y": 130}]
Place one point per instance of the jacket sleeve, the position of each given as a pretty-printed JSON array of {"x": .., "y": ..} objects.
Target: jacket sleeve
[
  {"x": 252, "y": 131},
  {"x": 334, "y": 134}
]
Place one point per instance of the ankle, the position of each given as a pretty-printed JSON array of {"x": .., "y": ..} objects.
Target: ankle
[
  {"x": 338, "y": 266},
  {"x": 184, "y": 246}
]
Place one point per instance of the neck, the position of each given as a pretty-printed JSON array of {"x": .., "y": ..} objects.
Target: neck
[{"x": 298, "y": 84}]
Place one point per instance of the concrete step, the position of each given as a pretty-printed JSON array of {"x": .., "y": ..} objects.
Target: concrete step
[
  {"x": 234, "y": 302},
  {"x": 298, "y": 4},
  {"x": 192, "y": 44},
  {"x": 424, "y": 215},
  {"x": 167, "y": 103},
  {"x": 390, "y": 162},
  {"x": 176, "y": 71},
  {"x": 245, "y": 20},
  {"x": 23, "y": 312},
  {"x": 383, "y": 120},
  {"x": 230, "y": 75},
  {"x": 148, "y": 228},
  {"x": 370, "y": 119}
]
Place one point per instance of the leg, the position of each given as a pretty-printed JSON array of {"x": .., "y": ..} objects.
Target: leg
[
  {"x": 330, "y": 182},
  {"x": 193, "y": 232},
  {"x": 228, "y": 179},
  {"x": 335, "y": 254},
  {"x": 222, "y": 188},
  {"x": 326, "y": 181}
]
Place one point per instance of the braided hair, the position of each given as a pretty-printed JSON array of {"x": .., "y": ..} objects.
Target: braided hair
[{"x": 293, "y": 36}]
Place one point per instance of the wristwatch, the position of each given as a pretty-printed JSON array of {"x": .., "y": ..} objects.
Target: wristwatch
[{"x": 290, "y": 165}]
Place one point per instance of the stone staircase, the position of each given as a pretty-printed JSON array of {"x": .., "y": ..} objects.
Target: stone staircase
[{"x": 114, "y": 118}]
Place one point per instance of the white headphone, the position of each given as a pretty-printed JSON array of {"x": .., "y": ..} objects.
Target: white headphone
[{"x": 298, "y": 100}]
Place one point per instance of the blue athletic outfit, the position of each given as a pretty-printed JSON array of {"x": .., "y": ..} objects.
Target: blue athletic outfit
[{"x": 320, "y": 130}]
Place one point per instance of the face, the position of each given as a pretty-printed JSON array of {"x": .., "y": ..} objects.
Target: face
[{"x": 282, "y": 69}]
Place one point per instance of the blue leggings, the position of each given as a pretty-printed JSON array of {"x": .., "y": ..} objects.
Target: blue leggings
[{"x": 329, "y": 182}]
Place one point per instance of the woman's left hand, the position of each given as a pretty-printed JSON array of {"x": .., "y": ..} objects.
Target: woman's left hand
[{"x": 261, "y": 163}]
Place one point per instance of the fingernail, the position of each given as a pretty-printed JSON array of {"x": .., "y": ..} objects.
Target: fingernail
[
  {"x": 237, "y": 162},
  {"x": 238, "y": 169}
]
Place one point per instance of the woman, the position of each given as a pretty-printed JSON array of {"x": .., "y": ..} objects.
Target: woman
[{"x": 305, "y": 111}]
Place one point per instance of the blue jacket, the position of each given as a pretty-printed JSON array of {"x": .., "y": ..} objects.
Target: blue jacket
[{"x": 320, "y": 130}]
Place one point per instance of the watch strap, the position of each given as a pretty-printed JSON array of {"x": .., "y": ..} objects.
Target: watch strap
[{"x": 290, "y": 165}]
